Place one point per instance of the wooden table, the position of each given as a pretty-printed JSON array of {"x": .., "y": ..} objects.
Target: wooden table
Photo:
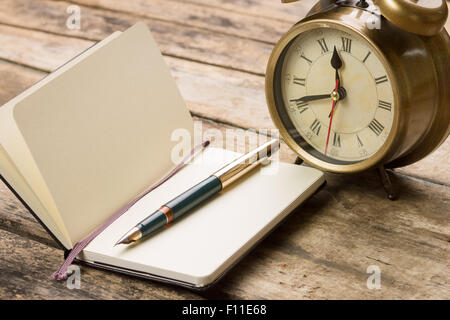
[{"x": 217, "y": 51}]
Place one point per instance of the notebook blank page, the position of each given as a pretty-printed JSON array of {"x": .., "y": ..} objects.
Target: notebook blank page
[{"x": 100, "y": 132}]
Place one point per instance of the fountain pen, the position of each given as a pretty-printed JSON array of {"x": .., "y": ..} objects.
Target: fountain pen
[{"x": 199, "y": 193}]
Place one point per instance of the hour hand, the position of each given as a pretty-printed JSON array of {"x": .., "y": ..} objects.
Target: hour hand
[
  {"x": 313, "y": 98},
  {"x": 336, "y": 61}
]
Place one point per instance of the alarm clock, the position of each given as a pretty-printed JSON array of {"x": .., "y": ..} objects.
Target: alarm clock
[{"x": 363, "y": 84}]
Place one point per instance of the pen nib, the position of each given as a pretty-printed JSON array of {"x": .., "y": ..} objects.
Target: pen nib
[
  {"x": 121, "y": 241},
  {"x": 131, "y": 236}
]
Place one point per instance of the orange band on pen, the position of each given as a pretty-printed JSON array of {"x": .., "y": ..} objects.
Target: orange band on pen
[{"x": 167, "y": 212}]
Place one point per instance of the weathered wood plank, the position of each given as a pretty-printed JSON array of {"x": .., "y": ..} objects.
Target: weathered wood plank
[
  {"x": 434, "y": 168},
  {"x": 192, "y": 43},
  {"x": 26, "y": 266},
  {"x": 270, "y": 9},
  {"x": 16, "y": 78},
  {"x": 199, "y": 15},
  {"x": 264, "y": 20},
  {"x": 37, "y": 49}
]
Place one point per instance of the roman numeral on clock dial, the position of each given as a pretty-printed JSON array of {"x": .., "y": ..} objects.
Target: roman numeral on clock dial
[
  {"x": 367, "y": 57},
  {"x": 315, "y": 127},
  {"x": 337, "y": 140},
  {"x": 306, "y": 59},
  {"x": 300, "y": 81},
  {"x": 360, "y": 143},
  {"x": 300, "y": 104},
  {"x": 385, "y": 105},
  {"x": 376, "y": 127},
  {"x": 381, "y": 80},
  {"x": 347, "y": 44},
  {"x": 323, "y": 45}
]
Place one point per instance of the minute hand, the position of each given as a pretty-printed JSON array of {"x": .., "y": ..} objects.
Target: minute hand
[{"x": 313, "y": 98}]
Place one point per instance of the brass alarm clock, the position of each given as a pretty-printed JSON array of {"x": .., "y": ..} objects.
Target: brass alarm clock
[{"x": 362, "y": 84}]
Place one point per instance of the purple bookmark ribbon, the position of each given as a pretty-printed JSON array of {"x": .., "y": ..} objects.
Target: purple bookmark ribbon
[{"x": 61, "y": 273}]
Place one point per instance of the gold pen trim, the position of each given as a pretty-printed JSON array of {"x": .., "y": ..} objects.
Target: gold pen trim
[
  {"x": 168, "y": 213},
  {"x": 236, "y": 169}
]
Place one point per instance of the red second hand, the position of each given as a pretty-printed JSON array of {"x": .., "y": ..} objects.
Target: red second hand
[{"x": 331, "y": 118}]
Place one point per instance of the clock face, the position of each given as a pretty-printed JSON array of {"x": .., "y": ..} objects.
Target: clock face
[{"x": 364, "y": 107}]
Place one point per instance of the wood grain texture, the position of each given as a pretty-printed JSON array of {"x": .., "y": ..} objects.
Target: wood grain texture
[
  {"x": 15, "y": 79},
  {"x": 174, "y": 39},
  {"x": 270, "y": 9},
  {"x": 218, "y": 20},
  {"x": 321, "y": 251},
  {"x": 435, "y": 168},
  {"x": 26, "y": 267}
]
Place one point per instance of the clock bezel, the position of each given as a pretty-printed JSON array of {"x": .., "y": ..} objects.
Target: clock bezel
[{"x": 381, "y": 156}]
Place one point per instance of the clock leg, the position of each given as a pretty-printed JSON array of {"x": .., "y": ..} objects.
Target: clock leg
[
  {"x": 387, "y": 183},
  {"x": 298, "y": 161}
]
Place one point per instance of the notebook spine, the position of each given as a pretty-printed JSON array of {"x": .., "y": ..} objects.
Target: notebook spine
[{"x": 32, "y": 213}]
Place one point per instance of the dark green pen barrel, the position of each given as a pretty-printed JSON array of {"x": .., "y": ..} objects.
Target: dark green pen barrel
[
  {"x": 152, "y": 223},
  {"x": 181, "y": 204},
  {"x": 194, "y": 196}
]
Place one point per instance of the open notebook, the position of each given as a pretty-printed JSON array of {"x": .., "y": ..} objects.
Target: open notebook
[{"x": 87, "y": 139}]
